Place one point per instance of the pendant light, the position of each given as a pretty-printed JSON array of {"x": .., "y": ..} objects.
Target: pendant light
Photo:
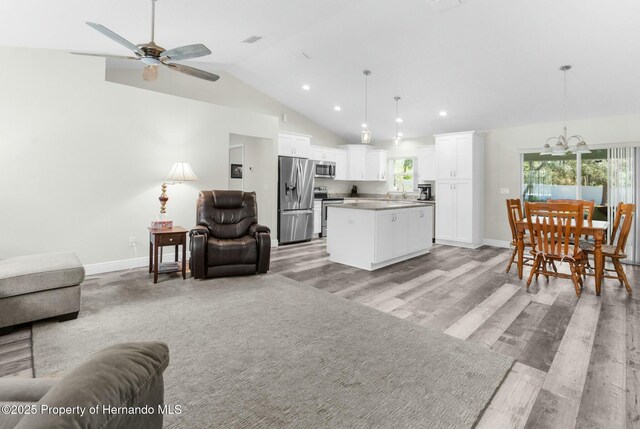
[
  {"x": 365, "y": 135},
  {"x": 560, "y": 145},
  {"x": 397, "y": 139}
]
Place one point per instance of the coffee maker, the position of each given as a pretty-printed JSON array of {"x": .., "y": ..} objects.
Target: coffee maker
[{"x": 425, "y": 192}]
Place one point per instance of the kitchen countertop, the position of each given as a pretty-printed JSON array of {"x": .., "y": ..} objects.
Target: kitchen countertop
[{"x": 382, "y": 205}]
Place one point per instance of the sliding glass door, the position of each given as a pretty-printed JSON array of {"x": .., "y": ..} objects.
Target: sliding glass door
[{"x": 606, "y": 176}]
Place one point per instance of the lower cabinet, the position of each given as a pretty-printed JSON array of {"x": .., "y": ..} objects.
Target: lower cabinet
[
  {"x": 454, "y": 221},
  {"x": 401, "y": 232},
  {"x": 420, "y": 229}
]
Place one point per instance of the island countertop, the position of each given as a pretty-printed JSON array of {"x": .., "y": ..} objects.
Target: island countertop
[{"x": 380, "y": 205}]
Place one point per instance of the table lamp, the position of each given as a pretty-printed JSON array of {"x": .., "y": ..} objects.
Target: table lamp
[{"x": 180, "y": 172}]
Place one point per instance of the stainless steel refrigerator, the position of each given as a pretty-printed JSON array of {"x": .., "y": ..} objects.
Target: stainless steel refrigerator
[{"x": 295, "y": 202}]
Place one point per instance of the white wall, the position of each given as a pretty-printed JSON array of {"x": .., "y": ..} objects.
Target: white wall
[
  {"x": 228, "y": 91},
  {"x": 83, "y": 159}
]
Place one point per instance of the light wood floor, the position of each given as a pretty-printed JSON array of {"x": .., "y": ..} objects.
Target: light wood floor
[{"x": 577, "y": 360}]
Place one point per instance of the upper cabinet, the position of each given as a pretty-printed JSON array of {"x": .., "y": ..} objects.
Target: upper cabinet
[
  {"x": 357, "y": 162},
  {"x": 454, "y": 156},
  {"x": 364, "y": 163},
  {"x": 427, "y": 163},
  {"x": 376, "y": 165},
  {"x": 295, "y": 145},
  {"x": 319, "y": 153},
  {"x": 342, "y": 166}
]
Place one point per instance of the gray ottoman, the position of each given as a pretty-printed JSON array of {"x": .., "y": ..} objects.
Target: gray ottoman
[{"x": 38, "y": 287}]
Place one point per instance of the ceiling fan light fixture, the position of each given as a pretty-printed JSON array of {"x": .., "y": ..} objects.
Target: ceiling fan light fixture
[{"x": 150, "y": 73}]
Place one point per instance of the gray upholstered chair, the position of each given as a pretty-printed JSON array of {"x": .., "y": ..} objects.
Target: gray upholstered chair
[{"x": 123, "y": 375}]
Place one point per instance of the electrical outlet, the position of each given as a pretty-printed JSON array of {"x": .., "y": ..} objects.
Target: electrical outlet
[{"x": 132, "y": 242}]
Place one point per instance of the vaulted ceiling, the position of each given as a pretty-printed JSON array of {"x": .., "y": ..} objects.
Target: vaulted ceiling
[{"x": 488, "y": 63}]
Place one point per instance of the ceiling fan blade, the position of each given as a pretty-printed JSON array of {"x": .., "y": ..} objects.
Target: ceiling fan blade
[
  {"x": 194, "y": 72},
  {"x": 186, "y": 52},
  {"x": 119, "y": 57},
  {"x": 115, "y": 37}
]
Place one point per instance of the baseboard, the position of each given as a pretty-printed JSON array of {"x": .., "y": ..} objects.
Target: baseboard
[
  {"x": 458, "y": 244},
  {"x": 496, "y": 243},
  {"x": 274, "y": 242},
  {"x": 124, "y": 264}
]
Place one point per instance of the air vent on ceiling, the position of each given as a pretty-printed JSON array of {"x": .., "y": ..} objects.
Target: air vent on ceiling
[
  {"x": 302, "y": 57},
  {"x": 442, "y": 5},
  {"x": 252, "y": 39}
]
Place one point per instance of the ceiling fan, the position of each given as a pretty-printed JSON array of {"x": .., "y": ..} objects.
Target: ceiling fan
[{"x": 153, "y": 55}]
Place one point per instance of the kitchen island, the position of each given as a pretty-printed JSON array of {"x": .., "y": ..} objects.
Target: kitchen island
[{"x": 374, "y": 234}]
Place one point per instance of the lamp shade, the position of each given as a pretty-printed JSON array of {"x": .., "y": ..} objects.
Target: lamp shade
[{"x": 181, "y": 172}]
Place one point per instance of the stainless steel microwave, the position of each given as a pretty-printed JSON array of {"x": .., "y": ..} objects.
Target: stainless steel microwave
[{"x": 325, "y": 169}]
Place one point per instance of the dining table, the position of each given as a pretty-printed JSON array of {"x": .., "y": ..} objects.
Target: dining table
[{"x": 597, "y": 229}]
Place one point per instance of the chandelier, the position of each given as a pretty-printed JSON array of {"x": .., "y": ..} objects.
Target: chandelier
[
  {"x": 397, "y": 139},
  {"x": 365, "y": 135},
  {"x": 559, "y": 146}
]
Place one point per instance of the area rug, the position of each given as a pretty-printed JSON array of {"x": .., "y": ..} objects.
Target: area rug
[{"x": 268, "y": 352}]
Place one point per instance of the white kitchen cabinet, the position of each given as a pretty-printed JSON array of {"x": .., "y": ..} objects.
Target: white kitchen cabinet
[
  {"x": 317, "y": 217},
  {"x": 445, "y": 222},
  {"x": 420, "y": 229},
  {"x": 364, "y": 163},
  {"x": 342, "y": 167},
  {"x": 427, "y": 163},
  {"x": 462, "y": 208},
  {"x": 319, "y": 153},
  {"x": 460, "y": 189},
  {"x": 357, "y": 162},
  {"x": 391, "y": 234},
  {"x": 376, "y": 165},
  {"x": 454, "y": 155},
  {"x": 295, "y": 145}
]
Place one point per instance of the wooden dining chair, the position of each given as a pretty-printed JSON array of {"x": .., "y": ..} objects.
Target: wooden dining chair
[
  {"x": 588, "y": 205},
  {"x": 550, "y": 226},
  {"x": 617, "y": 244},
  {"x": 589, "y": 208},
  {"x": 514, "y": 214}
]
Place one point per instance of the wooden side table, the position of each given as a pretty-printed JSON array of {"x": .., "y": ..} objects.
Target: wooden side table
[{"x": 158, "y": 238}]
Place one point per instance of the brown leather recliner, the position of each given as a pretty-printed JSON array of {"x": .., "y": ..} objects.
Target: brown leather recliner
[{"x": 227, "y": 240}]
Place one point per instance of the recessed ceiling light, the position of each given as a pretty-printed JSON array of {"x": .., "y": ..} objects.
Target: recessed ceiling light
[
  {"x": 400, "y": 135},
  {"x": 337, "y": 108},
  {"x": 442, "y": 113},
  {"x": 363, "y": 125},
  {"x": 306, "y": 87},
  {"x": 399, "y": 120}
]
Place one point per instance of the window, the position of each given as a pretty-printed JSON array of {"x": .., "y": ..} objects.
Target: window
[{"x": 402, "y": 178}]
